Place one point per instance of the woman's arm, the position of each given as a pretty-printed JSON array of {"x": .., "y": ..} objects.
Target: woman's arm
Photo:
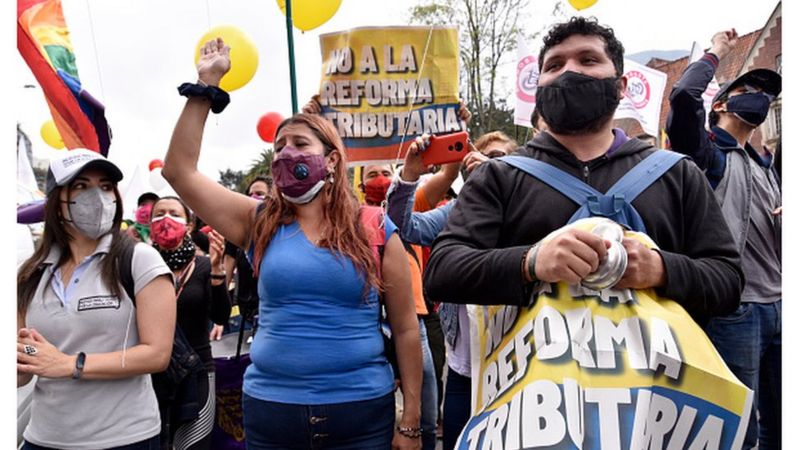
[
  {"x": 23, "y": 378},
  {"x": 219, "y": 308},
  {"x": 405, "y": 328},
  {"x": 226, "y": 211},
  {"x": 155, "y": 317}
]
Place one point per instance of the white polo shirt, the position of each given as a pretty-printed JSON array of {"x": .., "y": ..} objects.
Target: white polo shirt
[{"x": 72, "y": 414}]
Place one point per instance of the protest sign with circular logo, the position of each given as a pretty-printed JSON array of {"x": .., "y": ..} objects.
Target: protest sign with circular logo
[
  {"x": 527, "y": 77},
  {"x": 638, "y": 89}
]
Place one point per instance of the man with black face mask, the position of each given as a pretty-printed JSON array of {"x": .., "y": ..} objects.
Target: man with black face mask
[
  {"x": 491, "y": 252},
  {"x": 748, "y": 189}
]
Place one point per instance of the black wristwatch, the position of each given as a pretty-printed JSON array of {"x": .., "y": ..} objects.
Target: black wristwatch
[{"x": 79, "y": 362}]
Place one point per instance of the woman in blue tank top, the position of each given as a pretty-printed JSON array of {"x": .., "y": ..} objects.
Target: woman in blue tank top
[{"x": 319, "y": 376}]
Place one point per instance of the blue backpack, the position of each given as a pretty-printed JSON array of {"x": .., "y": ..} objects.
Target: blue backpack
[{"x": 614, "y": 204}]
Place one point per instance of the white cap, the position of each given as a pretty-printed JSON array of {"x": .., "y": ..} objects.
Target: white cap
[{"x": 65, "y": 169}]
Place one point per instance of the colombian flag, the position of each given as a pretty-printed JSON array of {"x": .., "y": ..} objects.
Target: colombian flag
[{"x": 43, "y": 41}]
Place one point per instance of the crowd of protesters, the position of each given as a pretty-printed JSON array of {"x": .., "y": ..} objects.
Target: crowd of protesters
[{"x": 117, "y": 325}]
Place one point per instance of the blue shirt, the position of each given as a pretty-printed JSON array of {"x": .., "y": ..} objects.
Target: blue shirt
[{"x": 318, "y": 339}]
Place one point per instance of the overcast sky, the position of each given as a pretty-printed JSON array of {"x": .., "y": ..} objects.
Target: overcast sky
[{"x": 133, "y": 54}]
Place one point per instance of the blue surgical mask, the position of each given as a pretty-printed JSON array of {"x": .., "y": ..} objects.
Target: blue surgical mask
[{"x": 750, "y": 108}]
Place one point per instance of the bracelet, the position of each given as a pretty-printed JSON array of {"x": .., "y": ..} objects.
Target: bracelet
[
  {"x": 79, "y": 363},
  {"x": 531, "y": 254},
  {"x": 219, "y": 98},
  {"x": 410, "y": 432}
]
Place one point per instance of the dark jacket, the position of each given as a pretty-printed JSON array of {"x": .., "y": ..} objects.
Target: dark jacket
[
  {"x": 727, "y": 165},
  {"x": 502, "y": 211}
]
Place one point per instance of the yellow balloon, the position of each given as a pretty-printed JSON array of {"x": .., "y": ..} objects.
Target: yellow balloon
[
  {"x": 51, "y": 136},
  {"x": 244, "y": 55},
  {"x": 123, "y": 226},
  {"x": 582, "y": 4},
  {"x": 309, "y": 14}
]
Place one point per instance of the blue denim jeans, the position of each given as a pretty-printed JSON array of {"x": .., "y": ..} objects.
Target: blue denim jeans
[
  {"x": 457, "y": 395},
  {"x": 362, "y": 425},
  {"x": 749, "y": 341},
  {"x": 147, "y": 444},
  {"x": 429, "y": 400}
]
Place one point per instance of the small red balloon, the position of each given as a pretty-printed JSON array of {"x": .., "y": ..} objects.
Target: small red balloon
[
  {"x": 267, "y": 125},
  {"x": 156, "y": 163}
]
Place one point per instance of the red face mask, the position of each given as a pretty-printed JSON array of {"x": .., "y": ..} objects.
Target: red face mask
[
  {"x": 167, "y": 231},
  {"x": 375, "y": 189},
  {"x": 143, "y": 214}
]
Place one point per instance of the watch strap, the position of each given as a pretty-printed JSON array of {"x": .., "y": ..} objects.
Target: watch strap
[{"x": 80, "y": 361}]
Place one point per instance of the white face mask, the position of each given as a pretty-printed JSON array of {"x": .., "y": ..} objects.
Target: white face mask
[
  {"x": 311, "y": 194},
  {"x": 92, "y": 212},
  {"x": 178, "y": 219}
]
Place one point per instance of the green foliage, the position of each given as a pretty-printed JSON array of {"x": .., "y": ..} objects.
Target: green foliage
[
  {"x": 260, "y": 166},
  {"x": 237, "y": 180},
  {"x": 231, "y": 179}
]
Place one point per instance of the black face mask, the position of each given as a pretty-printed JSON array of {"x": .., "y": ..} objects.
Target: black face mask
[
  {"x": 575, "y": 104},
  {"x": 751, "y": 108}
]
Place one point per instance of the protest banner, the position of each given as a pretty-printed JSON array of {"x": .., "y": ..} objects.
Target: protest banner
[
  {"x": 527, "y": 72},
  {"x": 643, "y": 96},
  {"x": 614, "y": 369},
  {"x": 382, "y": 87}
]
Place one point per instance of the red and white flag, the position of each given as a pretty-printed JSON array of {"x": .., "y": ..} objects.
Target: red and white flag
[
  {"x": 527, "y": 76},
  {"x": 643, "y": 96}
]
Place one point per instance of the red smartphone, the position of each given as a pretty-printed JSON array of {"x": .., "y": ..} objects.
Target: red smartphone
[{"x": 446, "y": 148}]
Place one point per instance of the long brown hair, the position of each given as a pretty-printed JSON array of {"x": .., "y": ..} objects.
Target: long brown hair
[
  {"x": 56, "y": 234},
  {"x": 341, "y": 228}
]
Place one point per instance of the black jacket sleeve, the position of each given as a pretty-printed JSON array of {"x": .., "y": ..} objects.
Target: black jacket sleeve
[
  {"x": 468, "y": 263},
  {"x": 705, "y": 276},
  {"x": 687, "y": 116}
]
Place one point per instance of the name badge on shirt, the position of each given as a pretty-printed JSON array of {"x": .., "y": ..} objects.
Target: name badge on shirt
[{"x": 98, "y": 302}]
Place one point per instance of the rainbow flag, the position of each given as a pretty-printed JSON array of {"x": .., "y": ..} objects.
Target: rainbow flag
[{"x": 43, "y": 41}]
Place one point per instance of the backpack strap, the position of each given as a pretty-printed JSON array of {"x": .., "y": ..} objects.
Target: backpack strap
[
  {"x": 572, "y": 187},
  {"x": 645, "y": 173},
  {"x": 614, "y": 204},
  {"x": 633, "y": 183},
  {"x": 125, "y": 263}
]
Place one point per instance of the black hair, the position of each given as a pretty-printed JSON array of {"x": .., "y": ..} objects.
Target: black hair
[
  {"x": 56, "y": 234},
  {"x": 186, "y": 210},
  {"x": 535, "y": 116},
  {"x": 587, "y": 27},
  {"x": 713, "y": 116},
  {"x": 266, "y": 179}
]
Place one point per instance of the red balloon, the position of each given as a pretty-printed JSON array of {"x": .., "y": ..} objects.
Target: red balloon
[
  {"x": 156, "y": 163},
  {"x": 267, "y": 125}
]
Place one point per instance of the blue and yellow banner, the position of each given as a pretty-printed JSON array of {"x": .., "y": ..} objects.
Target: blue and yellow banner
[
  {"x": 611, "y": 369},
  {"x": 382, "y": 87}
]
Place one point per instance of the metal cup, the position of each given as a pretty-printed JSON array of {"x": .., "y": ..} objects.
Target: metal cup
[{"x": 613, "y": 266}]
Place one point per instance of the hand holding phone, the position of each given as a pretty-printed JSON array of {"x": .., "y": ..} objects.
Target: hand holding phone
[{"x": 446, "y": 148}]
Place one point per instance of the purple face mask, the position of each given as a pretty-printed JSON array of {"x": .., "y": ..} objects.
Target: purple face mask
[{"x": 298, "y": 175}]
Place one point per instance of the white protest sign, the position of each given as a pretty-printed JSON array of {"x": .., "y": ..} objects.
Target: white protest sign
[
  {"x": 643, "y": 96},
  {"x": 527, "y": 76}
]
